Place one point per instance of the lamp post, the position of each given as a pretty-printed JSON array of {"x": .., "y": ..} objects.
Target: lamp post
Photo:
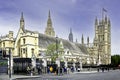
[
  {"x": 57, "y": 60},
  {"x": 10, "y": 65},
  {"x": 57, "y": 46}
]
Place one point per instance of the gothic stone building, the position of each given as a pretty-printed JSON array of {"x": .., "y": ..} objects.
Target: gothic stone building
[{"x": 28, "y": 43}]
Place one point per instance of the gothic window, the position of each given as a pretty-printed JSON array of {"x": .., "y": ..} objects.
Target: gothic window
[
  {"x": 67, "y": 52},
  {"x": 24, "y": 41},
  {"x": 3, "y": 44},
  {"x": 32, "y": 50},
  {"x": 23, "y": 50},
  {"x": 19, "y": 51},
  {"x": 103, "y": 37},
  {"x": 26, "y": 50}
]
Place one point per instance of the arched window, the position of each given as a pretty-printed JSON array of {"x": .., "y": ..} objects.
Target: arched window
[
  {"x": 3, "y": 44},
  {"x": 32, "y": 50},
  {"x": 24, "y": 41}
]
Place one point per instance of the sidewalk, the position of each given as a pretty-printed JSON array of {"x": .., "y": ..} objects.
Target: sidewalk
[
  {"x": 6, "y": 77},
  {"x": 86, "y": 72}
]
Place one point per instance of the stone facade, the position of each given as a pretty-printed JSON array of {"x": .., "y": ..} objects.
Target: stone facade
[
  {"x": 28, "y": 43},
  {"x": 100, "y": 49}
]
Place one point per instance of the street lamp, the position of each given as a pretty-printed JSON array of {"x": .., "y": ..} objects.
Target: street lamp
[
  {"x": 57, "y": 46},
  {"x": 57, "y": 60},
  {"x": 10, "y": 64}
]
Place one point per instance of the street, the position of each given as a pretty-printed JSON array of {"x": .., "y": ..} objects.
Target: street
[{"x": 111, "y": 75}]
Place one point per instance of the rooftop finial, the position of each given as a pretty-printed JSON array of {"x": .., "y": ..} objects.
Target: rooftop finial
[{"x": 70, "y": 30}]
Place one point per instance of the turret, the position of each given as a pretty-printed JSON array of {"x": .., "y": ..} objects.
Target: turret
[
  {"x": 88, "y": 41},
  {"x": 10, "y": 34},
  {"x": 106, "y": 19},
  {"x": 96, "y": 21},
  {"x": 82, "y": 40},
  {"x": 109, "y": 23},
  {"x": 70, "y": 35},
  {"x": 96, "y": 27}
]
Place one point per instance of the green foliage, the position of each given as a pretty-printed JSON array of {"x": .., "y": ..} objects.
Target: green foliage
[
  {"x": 3, "y": 63},
  {"x": 53, "y": 50},
  {"x": 115, "y": 60}
]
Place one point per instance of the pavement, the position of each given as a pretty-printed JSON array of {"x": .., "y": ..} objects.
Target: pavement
[
  {"x": 6, "y": 77},
  {"x": 50, "y": 76}
]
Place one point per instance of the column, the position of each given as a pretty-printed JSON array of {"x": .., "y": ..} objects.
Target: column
[{"x": 80, "y": 65}]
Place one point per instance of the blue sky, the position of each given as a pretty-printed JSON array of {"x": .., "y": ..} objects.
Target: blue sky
[{"x": 76, "y": 14}]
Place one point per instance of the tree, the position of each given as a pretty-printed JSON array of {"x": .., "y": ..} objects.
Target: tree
[
  {"x": 115, "y": 60},
  {"x": 54, "y": 51}
]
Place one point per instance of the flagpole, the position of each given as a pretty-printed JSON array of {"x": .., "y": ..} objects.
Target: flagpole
[{"x": 103, "y": 11}]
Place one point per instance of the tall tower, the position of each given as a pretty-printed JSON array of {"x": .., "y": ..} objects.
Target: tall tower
[
  {"x": 49, "y": 29},
  {"x": 22, "y": 23},
  {"x": 102, "y": 39},
  {"x": 70, "y": 35}
]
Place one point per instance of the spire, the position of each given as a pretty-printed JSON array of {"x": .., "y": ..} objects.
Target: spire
[
  {"x": 82, "y": 40},
  {"x": 49, "y": 22},
  {"x": 49, "y": 29},
  {"x": 49, "y": 14},
  {"x": 70, "y": 35},
  {"x": 96, "y": 21},
  {"x": 70, "y": 30},
  {"x": 22, "y": 21},
  {"x": 88, "y": 41},
  {"x": 109, "y": 21}
]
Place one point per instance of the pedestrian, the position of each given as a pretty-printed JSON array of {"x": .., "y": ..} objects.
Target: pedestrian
[
  {"x": 51, "y": 69},
  {"x": 68, "y": 70},
  {"x": 28, "y": 70},
  {"x": 78, "y": 69},
  {"x": 98, "y": 69},
  {"x": 102, "y": 69},
  {"x": 39, "y": 70},
  {"x": 48, "y": 69}
]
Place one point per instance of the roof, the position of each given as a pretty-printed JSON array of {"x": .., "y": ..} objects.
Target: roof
[{"x": 77, "y": 48}]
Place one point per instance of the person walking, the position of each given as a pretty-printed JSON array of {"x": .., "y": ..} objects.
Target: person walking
[{"x": 28, "y": 70}]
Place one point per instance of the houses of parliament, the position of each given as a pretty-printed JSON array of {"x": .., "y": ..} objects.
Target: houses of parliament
[{"x": 27, "y": 42}]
